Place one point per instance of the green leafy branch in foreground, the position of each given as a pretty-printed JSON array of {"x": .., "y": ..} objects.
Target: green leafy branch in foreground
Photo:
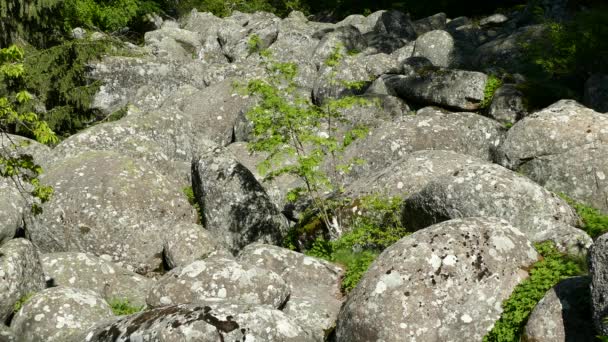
[
  {"x": 545, "y": 274},
  {"x": 13, "y": 164}
]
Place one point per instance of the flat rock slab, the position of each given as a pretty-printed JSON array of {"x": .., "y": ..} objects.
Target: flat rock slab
[
  {"x": 221, "y": 322},
  {"x": 446, "y": 282}
]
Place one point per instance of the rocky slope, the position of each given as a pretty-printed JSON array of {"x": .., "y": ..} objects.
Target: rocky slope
[{"x": 477, "y": 194}]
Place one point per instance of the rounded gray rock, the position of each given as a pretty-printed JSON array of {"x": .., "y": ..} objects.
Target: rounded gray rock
[{"x": 187, "y": 243}]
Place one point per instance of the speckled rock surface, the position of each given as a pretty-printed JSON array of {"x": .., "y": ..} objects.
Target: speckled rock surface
[
  {"x": 439, "y": 47},
  {"x": 430, "y": 23},
  {"x": 552, "y": 131},
  {"x": 187, "y": 243},
  {"x": 59, "y": 314},
  {"x": 349, "y": 37},
  {"x": 223, "y": 322},
  {"x": 411, "y": 173},
  {"x": 451, "y": 88},
  {"x": 20, "y": 274},
  {"x": 12, "y": 207},
  {"x": 88, "y": 272},
  {"x": 315, "y": 285},
  {"x": 490, "y": 190},
  {"x": 6, "y": 334},
  {"x": 563, "y": 315},
  {"x": 219, "y": 279},
  {"x": 108, "y": 204},
  {"x": 465, "y": 133},
  {"x": 143, "y": 82},
  {"x": 598, "y": 269},
  {"x": 235, "y": 207},
  {"x": 446, "y": 282},
  {"x": 508, "y": 105},
  {"x": 581, "y": 173},
  {"x": 15, "y": 145},
  {"x": 174, "y": 43}
]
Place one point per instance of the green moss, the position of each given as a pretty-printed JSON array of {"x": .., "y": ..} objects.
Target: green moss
[
  {"x": 19, "y": 303},
  {"x": 492, "y": 85},
  {"x": 122, "y": 306},
  {"x": 189, "y": 193},
  {"x": 593, "y": 221},
  {"x": 544, "y": 274}
]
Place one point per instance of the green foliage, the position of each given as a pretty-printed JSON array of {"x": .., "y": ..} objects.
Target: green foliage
[
  {"x": 224, "y": 8},
  {"x": 106, "y": 15},
  {"x": 544, "y": 274},
  {"x": 121, "y": 307},
  {"x": 35, "y": 20},
  {"x": 492, "y": 85},
  {"x": 12, "y": 163},
  {"x": 189, "y": 192},
  {"x": 19, "y": 303},
  {"x": 254, "y": 44},
  {"x": 289, "y": 127},
  {"x": 375, "y": 226},
  {"x": 593, "y": 221}
]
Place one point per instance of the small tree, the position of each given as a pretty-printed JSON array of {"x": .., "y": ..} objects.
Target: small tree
[
  {"x": 18, "y": 166},
  {"x": 300, "y": 138}
]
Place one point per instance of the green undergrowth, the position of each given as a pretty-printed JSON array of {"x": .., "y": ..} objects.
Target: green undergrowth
[
  {"x": 189, "y": 193},
  {"x": 374, "y": 226},
  {"x": 544, "y": 274},
  {"x": 122, "y": 306},
  {"x": 593, "y": 221},
  {"x": 492, "y": 85}
]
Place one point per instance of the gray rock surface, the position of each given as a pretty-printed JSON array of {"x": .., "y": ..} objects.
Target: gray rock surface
[
  {"x": 508, "y": 105},
  {"x": 235, "y": 207},
  {"x": 20, "y": 274},
  {"x": 439, "y": 47},
  {"x": 223, "y": 322},
  {"x": 445, "y": 282},
  {"x": 88, "y": 272},
  {"x": 563, "y": 315},
  {"x": 12, "y": 207},
  {"x": 174, "y": 43},
  {"x": 187, "y": 243},
  {"x": 598, "y": 269},
  {"x": 108, "y": 204},
  {"x": 6, "y": 334},
  {"x": 431, "y": 23},
  {"x": 218, "y": 279},
  {"x": 480, "y": 190},
  {"x": 60, "y": 314},
  {"x": 596, "y": 93}
]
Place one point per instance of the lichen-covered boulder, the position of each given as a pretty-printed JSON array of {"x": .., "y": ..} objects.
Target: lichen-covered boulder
[
  {"x": 315, "y": 293},
  {"x": 234, "y": 205},
  {"x": 581, "y": 173},
  {"x": 223, "y": 322},
  {"x": 431, "y": 23},
  {"x": 170, "y": 42},
  {"x": 491, "y": 190},
  {"x": 188, "y": 242},
  {"x": 88, "y": 272},
  {"x": 112, "y": 205},
  {"x": 12, "y": 207},
  {"x": 563, "y": 315},
  {"x": 446, "y": 282},
  {"x": 596, "y": 93},
  {"x": 143, "y": 82},
  {"x": 219, "y": 279},
  {"x": 20, "y": 274},
  {"x": 410, "y": 173},
  {"x": 349, "y": 38},
  {"x": 6, "y": 334},
  {"x": 439, "y": 47},
  {"x": 508, "y": 105},
  {"x": 60, "y": 314},
  {"x": 465, "y": 133},
  {"x": 451, "y": 88},
  {"x": 598, "y": 269},
  {"x": 554, "y": 130}
]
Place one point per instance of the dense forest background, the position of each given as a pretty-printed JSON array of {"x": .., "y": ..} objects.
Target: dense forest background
[{"x": 575, "y": 46}]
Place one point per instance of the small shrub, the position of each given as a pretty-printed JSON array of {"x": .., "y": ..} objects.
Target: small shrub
[
  {"x": 544, "y": 274},
  {"x": 19, "y": 303},
  {"x": 594, "y": 222},
  {"x": 254, "y": 44},
  {"x": 492, "y": 85},
  {"x": 122, "y": 306}
]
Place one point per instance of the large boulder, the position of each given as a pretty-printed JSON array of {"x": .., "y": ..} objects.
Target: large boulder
[
  {"x": 439, "y": 47},
  {"x": 563, "y": 315},
  {"x": 187, "y": 243},
  {"x": 465, "y": 133},
  {"x": 60, "y": 314},
  {"x": 446, "y": 282},
  {"x": 596, "y": 93},
  {"x": 234, "y": 205},
  {"x": 552, "y": 131},
  {"x": 112, "y": 205},
  {"x": 12, "y": 207},
  {"x": 88, "y": 272},
  {"x": 451, "y": 88},
  {"x": 508, "y": 105},
  {"x": 20, "y": 274},
  {"x": 491, "y": 190},
  {"x": 223, "y": 322},
  {"x": 170, "y": 42},
  {"x": 219, "y": 279},
  {"x": 598, "y": 269},
  {"x": 431, "y": 23},
  {"x": 346, "y": 38},
  {"x": 315, "y": 293},
  {"x": 143, "y": 82}
]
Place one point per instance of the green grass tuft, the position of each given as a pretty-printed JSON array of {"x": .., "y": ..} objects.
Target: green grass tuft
[{"x": 122, "y": 307}]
